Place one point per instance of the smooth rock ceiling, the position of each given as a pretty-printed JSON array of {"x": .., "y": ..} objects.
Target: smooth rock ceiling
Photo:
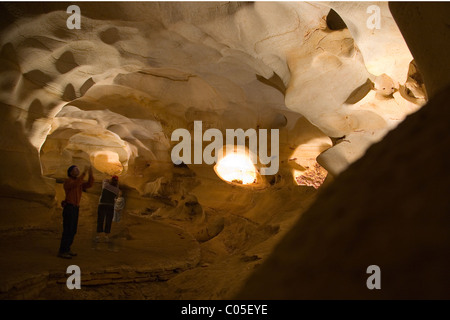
[{"x": 111, "y": 93}]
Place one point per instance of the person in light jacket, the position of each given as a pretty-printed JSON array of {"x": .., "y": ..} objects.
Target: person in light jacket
[{"x": 105, "y": 212}]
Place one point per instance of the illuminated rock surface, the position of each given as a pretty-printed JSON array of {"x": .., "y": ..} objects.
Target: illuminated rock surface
[{"x": 111, "y": 94}]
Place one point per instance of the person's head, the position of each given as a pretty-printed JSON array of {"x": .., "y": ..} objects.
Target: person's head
[
  {"x": 73, "y": 172},
  {"x": 115, "y": 181}
]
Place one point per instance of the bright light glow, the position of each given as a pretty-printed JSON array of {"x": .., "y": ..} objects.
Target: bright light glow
[
  {"x": 107, "y": 162},
  {"x": 236, "y": 167}
]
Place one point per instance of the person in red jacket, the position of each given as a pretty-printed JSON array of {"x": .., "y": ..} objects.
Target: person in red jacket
[{"x": 73, "y": 188}]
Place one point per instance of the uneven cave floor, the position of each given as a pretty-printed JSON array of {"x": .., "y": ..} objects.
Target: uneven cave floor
[{"x": 144, "y": 259}]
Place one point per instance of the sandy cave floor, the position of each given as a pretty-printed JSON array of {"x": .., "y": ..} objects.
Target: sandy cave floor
[
  {"x": 137, "y": 251},
  {"x": 145, "y": 258}
]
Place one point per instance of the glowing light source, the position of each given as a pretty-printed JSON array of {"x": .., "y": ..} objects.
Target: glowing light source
[
  {"x": 107, "y": 162},
  {"x": 236, "y": 167}
]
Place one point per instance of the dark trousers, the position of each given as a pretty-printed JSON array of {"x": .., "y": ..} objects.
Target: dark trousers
[
  {"x": 70, "y": 224},
  {"x": 105, "y": 215}
]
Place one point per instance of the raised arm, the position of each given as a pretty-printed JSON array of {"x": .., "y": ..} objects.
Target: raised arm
[{"x": 90, "y": 181}]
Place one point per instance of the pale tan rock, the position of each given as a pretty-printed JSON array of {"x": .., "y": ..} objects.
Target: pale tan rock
[{"x": 111, "y": 94}]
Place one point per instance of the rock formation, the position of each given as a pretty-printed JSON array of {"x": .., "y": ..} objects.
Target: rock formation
[{"x": 111, "y": 93}]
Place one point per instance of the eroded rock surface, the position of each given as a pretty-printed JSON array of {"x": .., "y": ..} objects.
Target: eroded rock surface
[{"x": 111, "y": 94}]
